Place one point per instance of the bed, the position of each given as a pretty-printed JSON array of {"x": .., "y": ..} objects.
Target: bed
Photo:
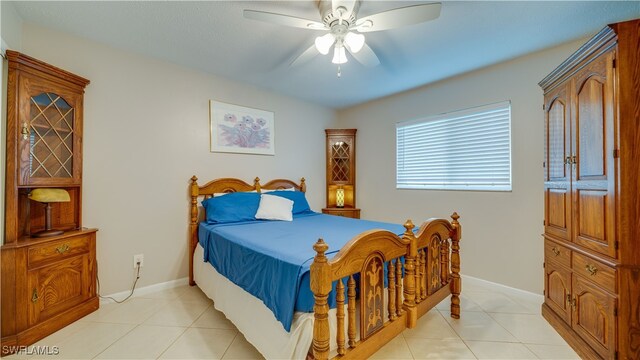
[{"x": 362, "y": 285}]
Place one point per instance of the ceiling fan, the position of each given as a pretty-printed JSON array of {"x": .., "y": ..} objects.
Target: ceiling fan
[{"x": 340, "y": 18}]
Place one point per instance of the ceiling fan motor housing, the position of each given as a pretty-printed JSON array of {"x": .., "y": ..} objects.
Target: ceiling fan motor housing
[{"x": 331, "y": 18}]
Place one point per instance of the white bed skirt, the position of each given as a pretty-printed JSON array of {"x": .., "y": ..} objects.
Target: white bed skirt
[{"x": 254, "y": 320}]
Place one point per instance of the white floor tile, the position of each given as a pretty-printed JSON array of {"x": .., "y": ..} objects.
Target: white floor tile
[
  {"x": 167, "y": 294},
  {"x": 498, "y": 302},
  {"x": 91, "y": 340},
  {"x": 495, "y": 324},
  {"x": 241, "y": 349},
  {"x": 200, "y": 344},
  {"x": 530, "y": 329},
  {"x": 478, "y": 326},
  {"x": 553, "y": 352},
  {"x": 143, "y": 342},
  {"x": 178, "y": 313},
  {"x": 466, "y": 304},
  {"x": 396, "y": 349},
  {"x": 193, "y": 293},
  {"x": 132, "y": 311},
  {"x": 500, "y": 350},
  {"x": 439, "y": 349},
  {"x": 431, "y": 326},
  {"x": 213, "y": 319}
]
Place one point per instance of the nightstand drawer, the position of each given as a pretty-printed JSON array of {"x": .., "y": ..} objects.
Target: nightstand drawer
[
  {"x": 595, "y": 271},
  {"x": 42, "y": 254}
]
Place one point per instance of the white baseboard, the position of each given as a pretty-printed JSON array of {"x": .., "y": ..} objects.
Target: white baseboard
[
  {"x": 505, "y": 287},
  {"x": 146, "y": 290}
]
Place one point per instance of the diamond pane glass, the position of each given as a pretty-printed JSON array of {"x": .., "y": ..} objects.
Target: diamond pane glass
[
  {"x": 340, "y": 156},
  {"x": 51, "y": 136}
]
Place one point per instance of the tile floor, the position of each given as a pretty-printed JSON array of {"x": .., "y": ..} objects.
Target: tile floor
[{"x": 181, "y": 323}]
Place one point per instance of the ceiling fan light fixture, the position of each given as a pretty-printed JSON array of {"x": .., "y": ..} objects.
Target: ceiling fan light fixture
[
  {"x": 324, "y": 43},
  {"x": 354, "y": 41},
  {"x": 339, "y": 55}
]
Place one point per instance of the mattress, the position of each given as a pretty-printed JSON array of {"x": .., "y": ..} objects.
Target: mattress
[{"x": 271, "y": 259}]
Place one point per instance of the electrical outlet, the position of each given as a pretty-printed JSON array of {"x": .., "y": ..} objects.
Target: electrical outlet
[{"x": 138, "y": 259}]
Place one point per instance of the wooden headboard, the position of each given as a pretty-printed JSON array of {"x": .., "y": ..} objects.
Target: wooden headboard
[{"x": 225, "y": 185}]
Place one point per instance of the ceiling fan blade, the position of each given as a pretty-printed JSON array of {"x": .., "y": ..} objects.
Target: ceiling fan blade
[
  {"x": 281, "y": 19},
  {"x": 399, "y": 17},
  {"x": 305, "y": 57},
  {"x": 365, "y": 56}
]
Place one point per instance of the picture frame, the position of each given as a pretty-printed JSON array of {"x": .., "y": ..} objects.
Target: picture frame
[{"x": 240, "y": 129}]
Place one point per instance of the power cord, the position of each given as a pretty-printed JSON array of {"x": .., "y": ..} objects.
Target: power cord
[{"x": 133, "y": 288}]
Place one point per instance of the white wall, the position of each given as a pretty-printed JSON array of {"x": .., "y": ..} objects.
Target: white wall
[
  {"x": 501, "y": 230},
  {"x": 146, "y": 134}
]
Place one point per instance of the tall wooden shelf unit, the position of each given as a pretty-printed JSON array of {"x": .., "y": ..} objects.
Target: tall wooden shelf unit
[
  {"x": 592, "y": 195},
  {"x": 341, "y": 172},
  {"x": 47, "y": 282}
]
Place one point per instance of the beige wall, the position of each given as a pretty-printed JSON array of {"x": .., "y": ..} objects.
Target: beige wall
[
  {"x": 146, "y": 134},
  {"x": 501, "y": 237}
]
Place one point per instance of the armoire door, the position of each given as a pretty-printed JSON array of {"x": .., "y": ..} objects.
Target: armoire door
[
  {"x": 557, "y": 290},
  {"x": 594, "y": 316},
  {"x": 594, "y": 165},
  {"x": 557, "y": 175}
]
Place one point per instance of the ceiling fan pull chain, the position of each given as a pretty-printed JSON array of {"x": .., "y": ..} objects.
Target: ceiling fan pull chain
[{"x": 339, "y": 72}]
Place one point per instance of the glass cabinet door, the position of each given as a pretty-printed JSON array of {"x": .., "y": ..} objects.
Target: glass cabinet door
[
  {"x": 340, "y": 161},
  {"x": 48, "y": 138}
]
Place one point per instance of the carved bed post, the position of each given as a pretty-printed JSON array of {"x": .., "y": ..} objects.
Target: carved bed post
[
  {"x": 456, "y": 282},
  {"x": 410, "y": 275},
  {"x": 256, "y": 184},
  {"x": 320, "y": 286},
  {"x": 303, "y": 185},
  {"x": 193, "y": 226}
]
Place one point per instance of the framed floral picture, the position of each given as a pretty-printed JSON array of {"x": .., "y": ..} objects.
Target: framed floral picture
[{"x": 239, "y": 129}]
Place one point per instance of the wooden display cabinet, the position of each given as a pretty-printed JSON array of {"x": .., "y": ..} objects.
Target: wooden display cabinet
[
  {"x": 341, "y": 173},
  {"x": 47, "y": 282}
]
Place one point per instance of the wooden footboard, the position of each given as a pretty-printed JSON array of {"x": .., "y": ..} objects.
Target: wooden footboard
[{"x": 429, "y": 273}]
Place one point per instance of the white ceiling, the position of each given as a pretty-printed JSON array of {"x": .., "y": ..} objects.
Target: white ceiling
[{"x": 214, "y": 37}]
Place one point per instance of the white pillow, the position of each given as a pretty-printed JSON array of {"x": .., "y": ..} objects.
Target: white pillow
[{"x": 274, "y": 207}]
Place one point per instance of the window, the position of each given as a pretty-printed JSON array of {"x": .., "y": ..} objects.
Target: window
[{"x": 461, "y": 150}]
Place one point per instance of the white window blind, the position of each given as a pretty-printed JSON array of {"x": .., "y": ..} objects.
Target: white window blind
[{"x": 462, "y": 150}]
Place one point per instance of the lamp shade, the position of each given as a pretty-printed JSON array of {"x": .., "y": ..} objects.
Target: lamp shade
[
  {"x": 339, "y": 55},
  {"x": 49, "y": 195},
  {"x": 340, "y": 197},
  {"x": 354, "y": 41},
  {"x": 324, "y": 43}
]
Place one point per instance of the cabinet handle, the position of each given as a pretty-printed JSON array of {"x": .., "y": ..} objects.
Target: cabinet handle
[
  {"x": 555, "y": 251},
  {"x": 25, "y": 131},
  {"x": 574, "y": 159},
  {"x": 34, "y": 296},
  {"x": 591, "y": 269},
  {"x": 62, "y": 249},
  {"x": 567, "y": 160},
  {"x": 571, "y": 301}
]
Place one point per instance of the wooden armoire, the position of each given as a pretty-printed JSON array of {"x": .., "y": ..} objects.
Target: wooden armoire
[
  {"x": 592, "y": 195},
  {"x": 46, "y": 282}
]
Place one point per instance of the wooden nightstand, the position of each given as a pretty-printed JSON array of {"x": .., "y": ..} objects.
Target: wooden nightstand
[{"x": 346, "y": 212}]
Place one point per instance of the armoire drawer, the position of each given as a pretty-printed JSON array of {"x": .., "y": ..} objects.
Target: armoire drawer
[
  {"x": 595, "y": 271},
  {"x": 557, "y": 253},
  {"x": 54, "y": 251}
]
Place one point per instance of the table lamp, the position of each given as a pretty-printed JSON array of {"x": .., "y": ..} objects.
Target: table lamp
[{"x": 48, "y": 196}]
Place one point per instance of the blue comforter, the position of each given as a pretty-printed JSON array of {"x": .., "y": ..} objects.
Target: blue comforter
[{"x": 271, "y": 259}]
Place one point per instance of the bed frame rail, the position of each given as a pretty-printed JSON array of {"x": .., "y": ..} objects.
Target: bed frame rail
[{"x": 430, "y": 272}]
